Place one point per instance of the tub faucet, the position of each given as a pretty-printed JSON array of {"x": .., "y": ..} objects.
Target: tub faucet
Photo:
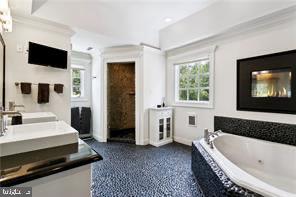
[
  {"x": 208, "y": 135},
  {"x": 3, "y": 121}
]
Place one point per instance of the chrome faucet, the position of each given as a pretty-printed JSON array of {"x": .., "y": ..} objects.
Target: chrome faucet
[
  {"x": 3, "y": 124},
  {"x": 208, "y": 135},
  {"x": 12, "y": 106}
]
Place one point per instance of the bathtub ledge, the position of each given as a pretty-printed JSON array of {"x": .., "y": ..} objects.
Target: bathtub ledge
[{"x": 230, "y": 188}]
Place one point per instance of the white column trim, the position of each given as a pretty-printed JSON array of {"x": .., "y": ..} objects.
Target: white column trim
[{"x": 124, "y": 56}]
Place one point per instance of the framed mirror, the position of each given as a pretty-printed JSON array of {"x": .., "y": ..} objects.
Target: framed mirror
[{"x": 2, "y": 72}]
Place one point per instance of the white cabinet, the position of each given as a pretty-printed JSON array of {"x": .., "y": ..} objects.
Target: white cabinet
[{"x": 160, "y": 126}]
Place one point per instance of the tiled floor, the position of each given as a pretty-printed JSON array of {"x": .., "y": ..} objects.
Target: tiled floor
[{"x": 130, "y": 170}]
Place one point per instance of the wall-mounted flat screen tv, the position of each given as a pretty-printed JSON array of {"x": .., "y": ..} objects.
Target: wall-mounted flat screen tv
[{"x": 47, "y": 56}]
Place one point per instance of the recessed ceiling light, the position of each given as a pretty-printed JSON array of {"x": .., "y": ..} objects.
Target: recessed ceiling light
[{"x": 167, "y": 20}]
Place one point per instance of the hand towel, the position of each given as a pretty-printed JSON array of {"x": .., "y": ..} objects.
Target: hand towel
[
  {"x": 75, "y": 118},
  {"x": 43, "y": 93},
  {"x": 26, "y": 88},
  {"x": 85, "y": 118},
  {"x": 16, "y": 120},
  {"x": 59, "y": 88}
]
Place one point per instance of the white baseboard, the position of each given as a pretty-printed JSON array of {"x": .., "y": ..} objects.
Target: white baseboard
[
  {"x": 157, "y": 144},
  {"x": 99, "y": 138},
  {"x": 146, "y": 141},
  {"x": 143, "y": 143},
  {"x": 183, "y": 140}
]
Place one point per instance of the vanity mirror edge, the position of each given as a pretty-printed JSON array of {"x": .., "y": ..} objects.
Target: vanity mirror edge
[{"x": 3, "y": 71}]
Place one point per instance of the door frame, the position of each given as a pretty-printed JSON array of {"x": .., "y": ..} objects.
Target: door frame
[
  {"x": 120, "y": 57},
  {"x": 109, "y": 80}
]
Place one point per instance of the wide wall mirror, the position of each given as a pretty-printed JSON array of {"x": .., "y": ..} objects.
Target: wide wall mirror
[{"x": 2, "y": 72}]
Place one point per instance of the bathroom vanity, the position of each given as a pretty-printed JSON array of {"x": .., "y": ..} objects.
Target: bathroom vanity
[{"x": 49, "y": 157}]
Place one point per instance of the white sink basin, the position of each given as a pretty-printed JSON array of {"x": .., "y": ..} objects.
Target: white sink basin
[
  {"x": 36, "y": 117},
  {"x": 30, "y": 137}
]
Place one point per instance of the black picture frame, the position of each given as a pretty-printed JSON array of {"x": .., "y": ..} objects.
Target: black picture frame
[{"x": 245, "y": 67}]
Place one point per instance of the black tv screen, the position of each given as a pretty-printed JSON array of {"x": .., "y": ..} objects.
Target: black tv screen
[{"x": 47, "y": 56}]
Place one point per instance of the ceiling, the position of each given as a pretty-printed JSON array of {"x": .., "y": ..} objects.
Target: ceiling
[{"x": 112, "y": 22}]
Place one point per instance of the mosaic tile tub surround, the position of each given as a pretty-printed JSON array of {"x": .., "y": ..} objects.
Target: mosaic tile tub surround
[
  {"x": 269, "y": 131},
  {"x": 211, "y": 179}
]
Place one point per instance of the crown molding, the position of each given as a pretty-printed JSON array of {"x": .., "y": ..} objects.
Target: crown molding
[
  {"x": 80, "y": 57},
  {"x": 268, "y": 20},
  {"x": 122, "y": 51},
  {"x": 149, "y": 45},
  {"x": 43, "y": 24},
  {"x": 206, "y": 50},
  {"x": 121, "y": 48}
]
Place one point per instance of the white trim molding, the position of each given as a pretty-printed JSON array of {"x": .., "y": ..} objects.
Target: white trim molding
[
  {"x": 182, "y": 140},
  {"x": 99, "y": 138},
  {"x": 146, "y": 141},
  {"x": 194, "y": 55},
  {"x": 161, "y": 143},
  {"x": 124, "y": 54},
  {"x": 82, "y": 61},
  {"x": 271, "y": 19},
  {"x": 81, "y": 58},
  {"x": 43, "y": 24}
]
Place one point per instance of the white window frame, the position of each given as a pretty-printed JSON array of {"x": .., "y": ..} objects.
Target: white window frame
[
  {"x": 82, "y": 82},
  {"x": 82, "y": 61},
  {"x": 192, "y": 56},
  {"x": 177, "y": 83}
]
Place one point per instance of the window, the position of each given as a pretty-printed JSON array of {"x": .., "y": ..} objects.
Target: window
[
  {"x": 77, "y": 82},
  {"x": 191, "y": 77},
  {"x": 192, "y": 81}
]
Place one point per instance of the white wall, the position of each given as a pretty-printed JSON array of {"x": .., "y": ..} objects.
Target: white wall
[
  {"x": 154, "y": 83},
  {"x": 150, "y": 86},
  {"x": 18, "y": 70},
  {"x": 217, "y": 18},
  {"x": 96, "y": 96},
  {"x": 270, "y": 39}
]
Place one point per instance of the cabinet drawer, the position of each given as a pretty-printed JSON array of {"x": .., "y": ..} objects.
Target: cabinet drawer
[{"x": 166, "y": 113}]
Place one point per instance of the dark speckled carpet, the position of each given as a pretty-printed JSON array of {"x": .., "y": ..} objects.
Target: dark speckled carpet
[{"x": 130, "y": 170}]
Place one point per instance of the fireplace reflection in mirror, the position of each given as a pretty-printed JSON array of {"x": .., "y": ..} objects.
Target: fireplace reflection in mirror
[{"x": 271, "y": 83}]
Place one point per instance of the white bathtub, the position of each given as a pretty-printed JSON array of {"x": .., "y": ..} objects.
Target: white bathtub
[{"x": 264, "y": 167}]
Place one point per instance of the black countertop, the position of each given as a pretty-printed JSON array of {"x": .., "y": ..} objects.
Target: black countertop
[{"x": 24, "y": 167}]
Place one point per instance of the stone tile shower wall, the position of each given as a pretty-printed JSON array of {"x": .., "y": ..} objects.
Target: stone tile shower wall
[
  {"x": 270, "y": 131},
  {"x": 121, "y": 95}
]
